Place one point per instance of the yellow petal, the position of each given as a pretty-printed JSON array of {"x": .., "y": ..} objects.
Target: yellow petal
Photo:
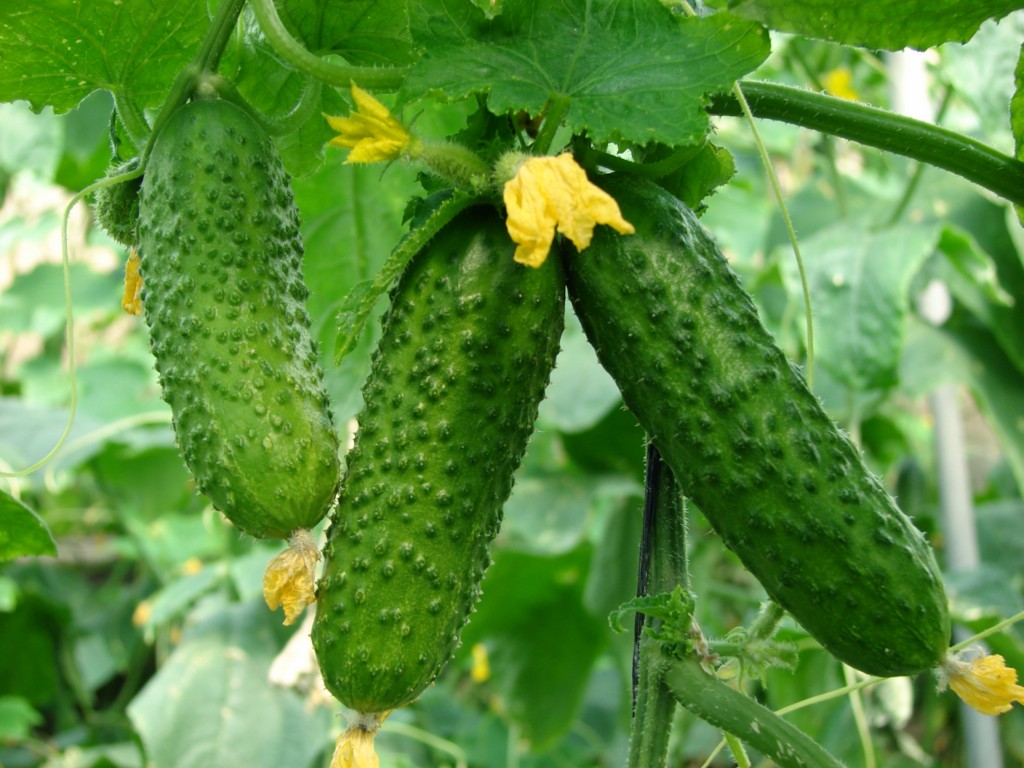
[
  {"x": 130, "y": 299},
  {"x": 549, "y": 193},
  {"x": 354, "y": 747},
  {"x": 984, "y": 682},
  {"x": 290, "y": 578},
  {"x": 371, "y": 132}
]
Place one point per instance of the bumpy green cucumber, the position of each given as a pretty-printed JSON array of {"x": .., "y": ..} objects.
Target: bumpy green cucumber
[
  {"x": 750, "y": 444},
  {"x": 467, "y": 349},
  {"x": 223, "y": 294}
]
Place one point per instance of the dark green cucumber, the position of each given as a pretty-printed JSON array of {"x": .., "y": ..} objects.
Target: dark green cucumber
[
  {"x": 750, "y": 444},
  {"x": 223, "y": 294},
  {"x": 467, "y": 349}
]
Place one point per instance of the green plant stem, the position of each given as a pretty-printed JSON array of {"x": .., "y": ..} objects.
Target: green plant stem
[
  {"x": 724, "y": 707},
  {"x": 330, "y": 72},
  {"x": 290, "y": 122},
  {"x": 662, "y": 568},
  {"x": 205, "y": 62},
  {"x": 132, "y": 118},
  {"x": 589, "y": 156},
  {"x": 860, "y": 719},
  {"x": 555, "y": 110},
  {"x": 915, "y": 177},
  {"x": 773, "y": 179},
  {"x": 883, "y": 130},
  {"x": 739, "y": 754}
]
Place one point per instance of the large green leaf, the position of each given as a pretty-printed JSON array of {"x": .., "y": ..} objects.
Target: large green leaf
[
  {"x": 877, "y": 23},
  {"x": 363, "y": 32},
  {"x": 211, "y": 703},
  {"x": 858, "y": 283},
  {"x": 56, "y": 52},
  {"x": 628, "y": 70},
  {"x": 541, "y": 640},
  {"x": 22, "y": 531}
]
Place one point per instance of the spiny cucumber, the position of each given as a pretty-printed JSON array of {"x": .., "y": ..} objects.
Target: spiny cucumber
[
  {"x": 468, "y": 346},
  {"x": 224, "y": 297},
  {"x": 787, "y": 491}
]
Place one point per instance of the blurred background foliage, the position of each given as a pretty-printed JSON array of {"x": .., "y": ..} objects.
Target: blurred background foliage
[{"x": 145, "y": 641}]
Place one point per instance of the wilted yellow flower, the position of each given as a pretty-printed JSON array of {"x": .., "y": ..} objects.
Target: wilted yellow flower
[
  {"x": 354, "y": 748},
  {"x": 839, "y": 82},
  {"x": 983, "y": 681},
  {"x": 554, "y": 192},
  {"x": 371, "y": 132},
  {"x": 130, "y": 301},
  {"x": 290, "y": 577}
]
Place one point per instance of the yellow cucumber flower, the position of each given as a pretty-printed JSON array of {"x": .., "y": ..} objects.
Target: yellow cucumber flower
[
  {"x": 354, "y": 748},
  {"x": 481, "y": 670},
  {"x": 290, "y": 578},
  {"x": 554, "y": 192},
  {"x": 130, "y": 299},
  {"x": 371, "y": 132},
  {"x": 983, "y": 681}
]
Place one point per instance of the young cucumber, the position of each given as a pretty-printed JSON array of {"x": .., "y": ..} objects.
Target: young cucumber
[
  {"x": 223, "y": 294},
  {"x": 467, "y": 349},
  {"x": 750, "y": 444}
]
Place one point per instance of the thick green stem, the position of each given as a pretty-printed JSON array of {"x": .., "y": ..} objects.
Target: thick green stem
[
  {"x": 330, "y": 72},
  {"x": 206, "y": 60},
  {"x": 555, "y": 110},
  {"x": 717, "y": 703},
  {"x": 662, "y": 568},
  {"x": 132, "y": 118},
  {"x": 883, "y": 130}
]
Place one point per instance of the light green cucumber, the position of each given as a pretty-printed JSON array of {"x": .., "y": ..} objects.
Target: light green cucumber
[{"x": 468, "y": 346}]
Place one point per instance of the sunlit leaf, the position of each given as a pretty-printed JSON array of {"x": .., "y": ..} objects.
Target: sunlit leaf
[
  {"x": 629, "y": 70},
  {"x": 56, "y": 52}
]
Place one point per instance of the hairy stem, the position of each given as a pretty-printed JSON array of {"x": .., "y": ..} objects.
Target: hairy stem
[
  {"x": 883, "y": 130},
  {"x": 330, "y": 72},
  {"x": 662, "y": 568},
  {"x": 716, "y": 702}
]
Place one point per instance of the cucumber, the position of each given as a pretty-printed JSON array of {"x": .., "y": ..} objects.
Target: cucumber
[
  {"x": 786, "y": 490},
  {"x": 224, "y": 298},
  {"x": 467, "y": 349}
]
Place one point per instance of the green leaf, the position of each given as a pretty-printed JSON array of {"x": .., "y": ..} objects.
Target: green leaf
[
  {"x": 541, "y": 641},
  {"x": 22, "y": 531},
  {"x": 628, "y": 70},
  {"x": 1017, "y": 114},
  {"x": 859, "y": 281},
  {"x": 877, "y": 23},
  {"x": 970, "y": 273},
  {"x": 17, "y": 718},
  {"x": 56, "y": 52},
  {"x": 211, "y": 703},
  {"x": 363, "y": 32}
]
